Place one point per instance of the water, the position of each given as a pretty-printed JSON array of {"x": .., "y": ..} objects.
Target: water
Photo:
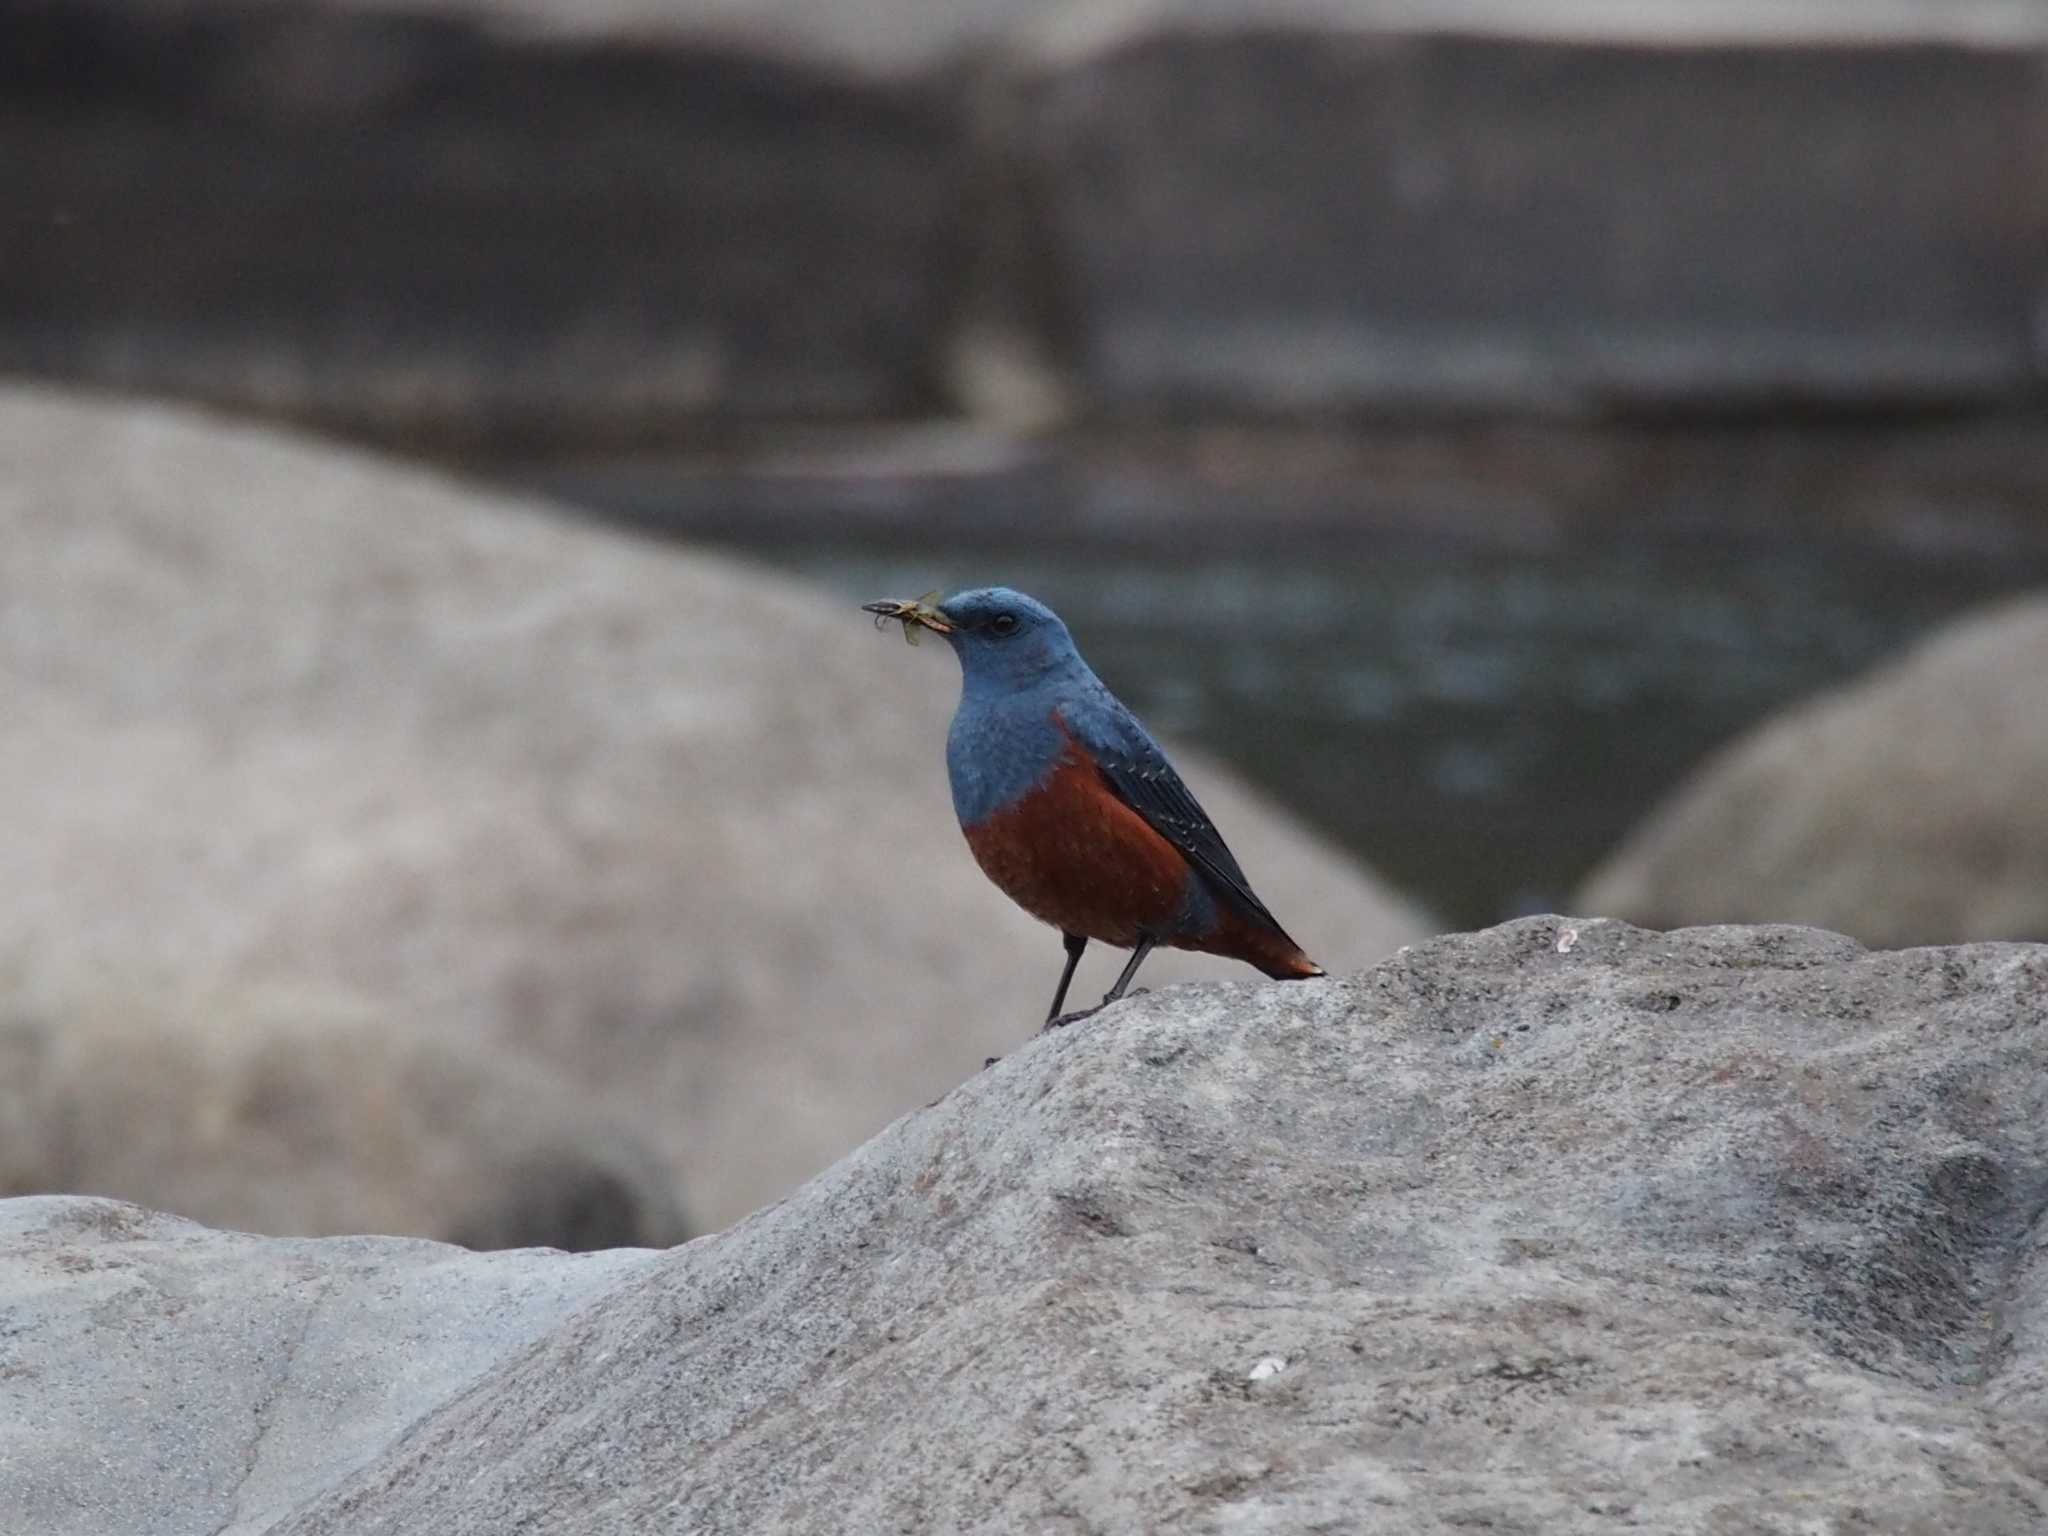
[
  {"x": 1480, "y": 727},
  {"x": 1478, "y": 719}
]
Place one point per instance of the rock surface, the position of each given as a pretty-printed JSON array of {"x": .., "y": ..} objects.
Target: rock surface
[
  {"x": 284, "y": 718},
  {"x": 1905, "y": 808},
  {"x": 1558, "y": 1226},
  {"x": 158, "y": 1377},
  {"x": 307, "y": 1115}
]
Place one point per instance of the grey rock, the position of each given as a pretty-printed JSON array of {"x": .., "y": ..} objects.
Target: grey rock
[
  {"x": 1554, "y": 1227},
  {"x": 312, "y": 1115},
  {"x": 158, "y": 1378},
  {"x": 287, "y": 719},
  {"x": 1905, "y": 808}
]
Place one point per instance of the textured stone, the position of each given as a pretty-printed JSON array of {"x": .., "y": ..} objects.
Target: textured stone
[
  {"x": 1905, "y": 808},
  {"x": 297, "y": 1114},
  {"x": 1555, "y": 1226},
  {"x": 280, "y": 717},
  {"x": 158, "y": 1378}
]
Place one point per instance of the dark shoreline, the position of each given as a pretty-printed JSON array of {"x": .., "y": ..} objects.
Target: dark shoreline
[
  {"x": 1945, "y": 485},
  {"x": 417, "y": 227}
]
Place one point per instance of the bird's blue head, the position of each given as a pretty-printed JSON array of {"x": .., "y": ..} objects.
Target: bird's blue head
[{"x": 1006, "y": 642}]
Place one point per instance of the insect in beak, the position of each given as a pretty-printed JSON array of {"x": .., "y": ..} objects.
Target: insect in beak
[{"x": 923, "y": 613}]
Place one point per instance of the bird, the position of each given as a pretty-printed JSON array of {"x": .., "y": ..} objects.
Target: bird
[{"x": 1070, "y": 807}]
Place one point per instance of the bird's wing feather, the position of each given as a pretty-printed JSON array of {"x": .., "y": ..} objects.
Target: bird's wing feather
[{"x": 1139, "y": 774}]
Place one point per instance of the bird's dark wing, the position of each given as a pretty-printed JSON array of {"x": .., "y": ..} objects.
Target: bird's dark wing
[{"x": 1139, "y": 774}]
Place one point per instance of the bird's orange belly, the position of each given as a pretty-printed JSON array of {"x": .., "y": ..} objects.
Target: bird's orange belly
[{"x": 1072, "y": 854}]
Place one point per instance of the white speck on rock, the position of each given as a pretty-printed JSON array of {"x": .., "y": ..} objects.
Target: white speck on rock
[
  {"x": 1271, "y": 1365},
  {"x": 1566, "y": 938}
]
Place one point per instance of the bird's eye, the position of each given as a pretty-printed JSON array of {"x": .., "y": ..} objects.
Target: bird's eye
[{"x": 1003, "y": 624}]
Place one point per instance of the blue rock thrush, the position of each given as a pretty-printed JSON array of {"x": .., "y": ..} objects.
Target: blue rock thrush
[{"x": 1071, "y": 808}]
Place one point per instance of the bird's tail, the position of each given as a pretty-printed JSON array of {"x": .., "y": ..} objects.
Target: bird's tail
[
  {"x": 1296, "y": 966},
  {"x": 1264, "y": 945}
]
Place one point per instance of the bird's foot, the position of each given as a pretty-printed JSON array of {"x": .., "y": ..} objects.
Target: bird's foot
[{"x": 1069, "y": 1018}]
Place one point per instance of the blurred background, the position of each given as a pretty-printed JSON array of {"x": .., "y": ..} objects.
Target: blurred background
[{"x": 1538, "y": 456}]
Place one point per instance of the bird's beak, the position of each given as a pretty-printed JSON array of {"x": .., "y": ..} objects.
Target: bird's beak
[{"x": 919, "y": 613}]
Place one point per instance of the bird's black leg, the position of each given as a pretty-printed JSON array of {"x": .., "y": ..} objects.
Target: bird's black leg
[
  {"x": 1075, "y": 942},
  {"x": 1145, "y": 945}
]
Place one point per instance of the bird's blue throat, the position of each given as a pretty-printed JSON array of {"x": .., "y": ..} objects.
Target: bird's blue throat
[
  {"x": 1001, "y": 747},
  {"x": 1017, "y": 663}
]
